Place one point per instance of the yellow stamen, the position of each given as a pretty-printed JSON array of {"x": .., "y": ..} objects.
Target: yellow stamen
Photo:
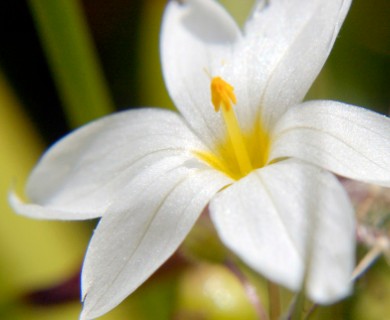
[{"x": 222, "y": 97}]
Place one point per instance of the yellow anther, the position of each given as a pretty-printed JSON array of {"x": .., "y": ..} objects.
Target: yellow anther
[{"x": 222, "y": 94}]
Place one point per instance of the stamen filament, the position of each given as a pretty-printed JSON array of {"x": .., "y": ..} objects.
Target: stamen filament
[
  {"x": 222, "y": 97},
  {"x": 236, "y": 139}
]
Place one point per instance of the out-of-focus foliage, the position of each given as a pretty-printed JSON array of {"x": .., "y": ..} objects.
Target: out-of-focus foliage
[
  {"x": 212, "y": 292},
  {"x": 358, "y": 69},
  {"x": 373, "y": 294},
  {"x": 32, "y": 253},
  {"x": 72, "y": 58}
]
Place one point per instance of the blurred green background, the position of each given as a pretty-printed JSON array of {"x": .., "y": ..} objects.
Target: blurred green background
[{"x": 66, "y": 62}]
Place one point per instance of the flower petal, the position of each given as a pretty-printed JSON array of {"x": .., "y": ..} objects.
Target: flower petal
[
  {"x": 143, "y": 228},
  {"x": 197, "y": 37},
  {"x": 286, "y": 45},
  {"x": 81, "y": 175},
  {"x": 350, "y": 141},
  {"x": 291, "y": 221}
]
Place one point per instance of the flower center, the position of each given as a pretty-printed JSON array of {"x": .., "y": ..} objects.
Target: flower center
[
  {"x": 241, "y": 152},
  {"x": 222, "y": 96}
]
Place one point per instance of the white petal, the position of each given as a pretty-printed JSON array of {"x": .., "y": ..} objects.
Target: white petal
[
  {"x": 81, "y": 175},
  {"x": 350, "y": 141},
  {"x": 289, "y": 221},
  {"x": 286, "y": 45},
  {"x": 142, "y": 229},
  {"x": 196, "y": 40}
]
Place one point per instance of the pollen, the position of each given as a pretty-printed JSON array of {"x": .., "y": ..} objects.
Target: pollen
[{"x": 222, "y": 94}]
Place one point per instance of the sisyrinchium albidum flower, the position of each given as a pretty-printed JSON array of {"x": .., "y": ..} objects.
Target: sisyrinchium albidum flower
[{"x": 244, "y": 145}]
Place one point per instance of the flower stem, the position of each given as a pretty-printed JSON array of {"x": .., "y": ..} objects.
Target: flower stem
[
  {"x": 274, "y": 301},
  {"x": 311, "y": 311},
  {"x": 249, "y": 289},
  {"x": 367, "y": 260},
  {"x": 296, "y": 309}
]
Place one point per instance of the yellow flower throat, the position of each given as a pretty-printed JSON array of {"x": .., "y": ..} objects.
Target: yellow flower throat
[{"x": 240, "y": 152}]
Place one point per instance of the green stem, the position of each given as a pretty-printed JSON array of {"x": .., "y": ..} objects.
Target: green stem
[
  {"x": 72, "y": 58},
  {"x": 250, "y": 290},
  {"x": 274, "y": 301},
  {"x": 311, "y": 311},
  {"x": 296, "y": 311}
]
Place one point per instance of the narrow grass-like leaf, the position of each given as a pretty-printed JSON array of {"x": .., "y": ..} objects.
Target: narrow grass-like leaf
[{"x": 72, "y": 58}]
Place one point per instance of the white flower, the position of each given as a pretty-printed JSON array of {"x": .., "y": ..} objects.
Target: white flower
[{"x": 243, "y": 144}]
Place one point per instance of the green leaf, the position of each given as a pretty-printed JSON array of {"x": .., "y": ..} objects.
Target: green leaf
[{"x": 72, "y": 58}]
